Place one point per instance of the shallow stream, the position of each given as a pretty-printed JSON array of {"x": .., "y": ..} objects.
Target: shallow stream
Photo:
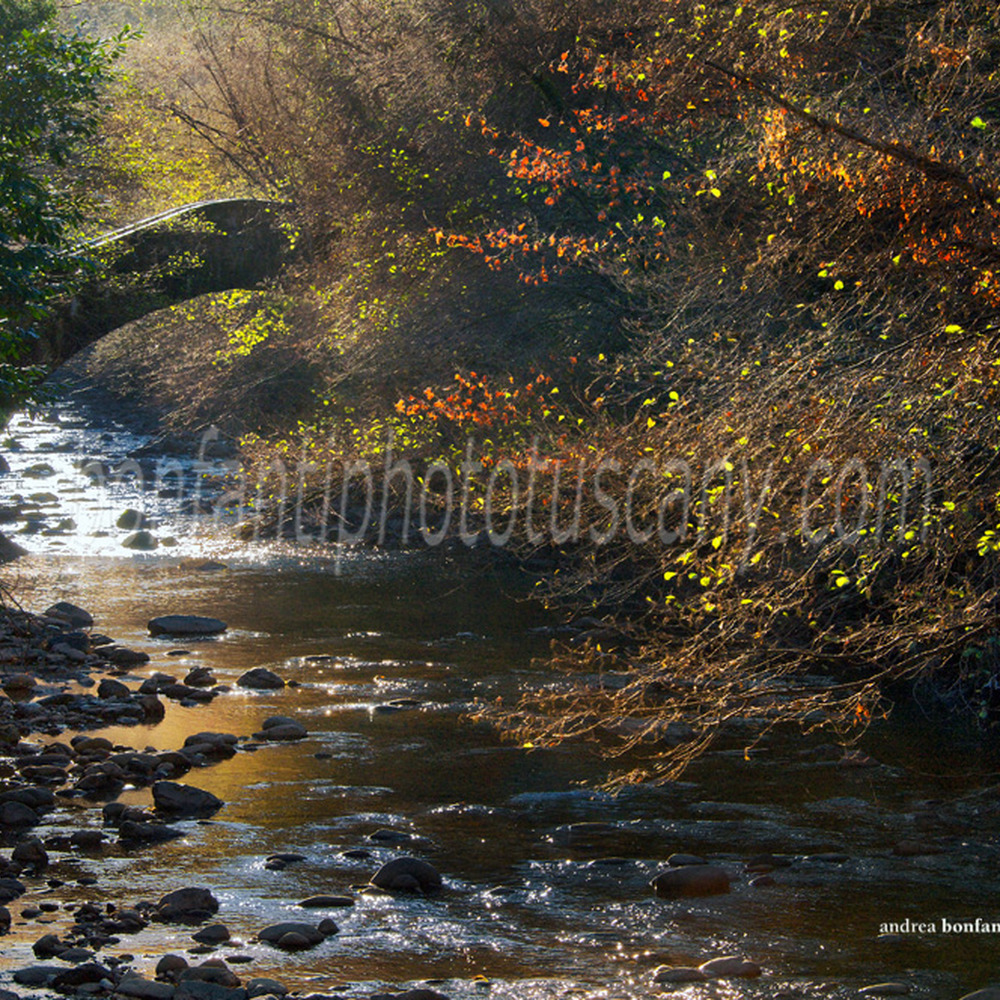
[{"x": 535, "y": 904}]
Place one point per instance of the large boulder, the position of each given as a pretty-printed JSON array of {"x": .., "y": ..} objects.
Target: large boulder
[
  {"x": 184, "y": 800},
  {"x": 186, "y": 625},
  {"x": 407, "y": 874},
  {"x": 691, "y": 880}
]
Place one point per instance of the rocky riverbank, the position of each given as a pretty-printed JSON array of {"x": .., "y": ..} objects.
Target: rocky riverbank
[{"x": 47, "y": 665}]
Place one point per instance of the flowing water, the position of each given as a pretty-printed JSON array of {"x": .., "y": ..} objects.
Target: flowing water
[{"x": 535, "y": 904}]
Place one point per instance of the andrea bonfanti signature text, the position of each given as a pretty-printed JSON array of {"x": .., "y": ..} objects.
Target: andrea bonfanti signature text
[{"x": 942, "y": 925}]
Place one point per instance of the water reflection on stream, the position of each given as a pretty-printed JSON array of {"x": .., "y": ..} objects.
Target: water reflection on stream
[{"x": 538, "y": 907}]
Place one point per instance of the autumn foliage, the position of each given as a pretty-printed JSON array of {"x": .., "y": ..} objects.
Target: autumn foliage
[{"x": 769, "y": 235}]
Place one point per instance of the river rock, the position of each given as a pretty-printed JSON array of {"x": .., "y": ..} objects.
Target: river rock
[
  {"x": 39, "y": 470},
  {"x": 131, "y": 519},
  {"x": 730, "y": 966},
  {"x": 292, "y": 935},
  {"x": 109, "y": 688},
  {"x": 11, "y": 888},
  {"x": 184, "y": 800},
  {"x": 35, "y": 797},
  {"x": 261, "y": 679},
  {"x": 9, "y": 551},
  {"x": 122, "y": 656},
  {"x": 280, "y": 727},
  {"x": 75, "y": 617},
  {"x": 48, "y": 946},
  {"x": 990, "y": 993},
  {"x": 389, "y": 836},
  {"x": 153, "y": 709},
  {"x": 134, "y": 985},
  {"x": 170, "y": 966},
  {"x": 186, "y": 625},
  {"x": 691, "y": 880},
  {"x": 86, "y": 971},
  {"x": 87, "y": 840},
  {"x": 17, "y": 814},
  {"x": 196, "y": 989},
  {"x": 407, "y": 875},
  {"x": 279, "y": 862},
  {"x": 682, "y": 860},
  {"x": 326, "y": 902},
  {"x": 212, "y": 934},
  {"x": 214, "y": 971},
  {"x": 137, "y": 832},
  {"x": 141, "y": 541},
  {"x": 261, "y": 986},
  {"x": 216, "y": 745},
  {"x": 678, "y": 974},
  {"x": 187, "y": 905},
  {"x": 31, "y": 853},
  {"x": 884, "y": 990},
  {"x": 36, "y": 975},
  {"x": 4, "y": 920},
  {"x": 19, "y": 685},
  {"x": 70, "y": 652}
]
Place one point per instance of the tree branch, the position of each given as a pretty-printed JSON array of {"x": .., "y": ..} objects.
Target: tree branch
[{"x": 934, "y": 169}]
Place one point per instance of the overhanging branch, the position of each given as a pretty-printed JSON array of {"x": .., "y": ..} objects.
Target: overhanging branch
[{"x": 934, "y": 169}]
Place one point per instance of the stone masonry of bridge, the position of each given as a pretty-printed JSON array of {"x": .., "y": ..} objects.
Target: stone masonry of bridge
[{"x": 208, "y": 246}]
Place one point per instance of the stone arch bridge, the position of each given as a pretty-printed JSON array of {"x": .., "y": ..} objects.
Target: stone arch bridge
[{"x": 206, "y": 246}]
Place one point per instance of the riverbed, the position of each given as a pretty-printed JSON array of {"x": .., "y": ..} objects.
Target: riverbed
[{"x": 546, "y": 878}]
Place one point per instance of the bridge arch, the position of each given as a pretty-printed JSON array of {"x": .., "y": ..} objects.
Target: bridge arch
[{"x": 205, "y": 246}]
